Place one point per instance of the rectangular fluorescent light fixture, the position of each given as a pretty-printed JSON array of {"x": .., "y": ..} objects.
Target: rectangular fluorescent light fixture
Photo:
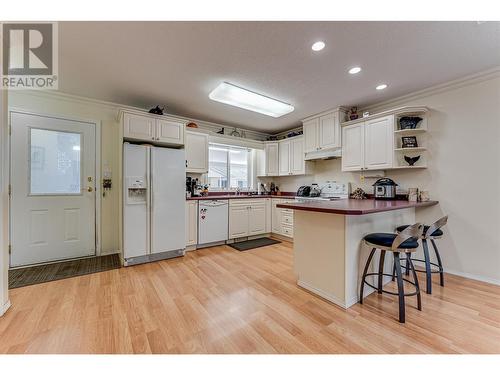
[{"x": 236, "y": 96}]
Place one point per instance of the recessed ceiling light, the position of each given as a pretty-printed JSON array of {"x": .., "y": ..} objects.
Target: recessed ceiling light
[
  {"x": 355, "y": 70},
  {"x": 381, "y": 87},
  {"x": 318, "y": 46},
  {"x": 228, "y": 93}
]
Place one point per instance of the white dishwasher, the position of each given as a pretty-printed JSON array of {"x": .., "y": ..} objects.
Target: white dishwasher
[{"x": 213, "y": 221}]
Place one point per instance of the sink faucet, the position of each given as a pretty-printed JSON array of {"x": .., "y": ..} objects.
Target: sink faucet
[{"x": 238, "y": 190}]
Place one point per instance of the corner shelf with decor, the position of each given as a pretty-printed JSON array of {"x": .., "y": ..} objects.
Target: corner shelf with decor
[{"x": 410, "y": 138}]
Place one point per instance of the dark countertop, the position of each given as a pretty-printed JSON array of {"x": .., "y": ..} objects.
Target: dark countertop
[
  {"x": 355, "y": 206},
  {"x": 241, "y": 196}
]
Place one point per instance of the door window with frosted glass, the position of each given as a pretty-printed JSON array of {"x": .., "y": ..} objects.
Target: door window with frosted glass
[{"x": 55, "y": 162}]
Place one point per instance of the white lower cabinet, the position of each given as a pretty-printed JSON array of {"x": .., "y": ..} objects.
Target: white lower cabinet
[
  {"x": 282, "y": 218},
  {"x": 191, "y": 222},
  {"x": 269, "y": 210},
  {"x": 238, "y": 220},
  {"x": 247, "y": 217},
  {"x": 257, "y": 219},
  {"x": 276, "y": 216}
]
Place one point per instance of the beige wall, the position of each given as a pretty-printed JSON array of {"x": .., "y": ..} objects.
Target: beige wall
[
  {"x": 4, "y": 199},
  {"x": 463, "y": 173}
]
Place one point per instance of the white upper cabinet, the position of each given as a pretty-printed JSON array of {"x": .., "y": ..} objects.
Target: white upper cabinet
[
  {"x": 139, "y": 127},
  {"x": 368, "y": 145},
  {"x": 272, "y": 159},
  {"x": 353, "y": 147},
  {"x": 284, "y": 158},
  {"x": 297, "y": 162},
  {"x": 196, "y": 152},
  {"x": 329, "y": 131},
  {"x": 291, "y": 156},
  {"x": 170, "y": 131},
  {"x": 322, "y": 134},
  {"x": 379, "y": 143},
  {"x": 153, "y": 128},
  {"x": 311, "y": 130}
]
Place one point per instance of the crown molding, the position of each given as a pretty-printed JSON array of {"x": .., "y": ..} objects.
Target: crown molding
[
  {"x": 472, "y": 79},
  {"x": 207, "y": 125}
]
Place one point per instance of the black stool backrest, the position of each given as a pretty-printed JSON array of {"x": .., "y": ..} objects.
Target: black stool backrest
[
  {"x": 435, "y": 226},
  {"x": 413, "y": 231}
]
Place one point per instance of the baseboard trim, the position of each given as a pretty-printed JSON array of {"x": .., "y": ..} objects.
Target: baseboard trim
[
  {"x": 473, "y": 277},
  {"x": 322, "y": 294},
  {"x": 5, "y": 307}
]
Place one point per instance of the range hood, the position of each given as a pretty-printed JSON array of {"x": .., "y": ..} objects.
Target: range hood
[{"x": 332, "y": 153}]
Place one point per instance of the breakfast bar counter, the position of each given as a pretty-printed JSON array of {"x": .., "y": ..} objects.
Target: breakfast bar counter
[
  {"x": 329, "y": 255},
  {"x": 355, "y": 206}
]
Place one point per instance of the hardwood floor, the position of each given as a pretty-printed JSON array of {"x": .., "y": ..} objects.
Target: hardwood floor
[{"x": 219, "y": 300}]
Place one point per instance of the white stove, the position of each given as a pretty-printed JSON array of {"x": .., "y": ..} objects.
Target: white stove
[{"x": 329, "y": 191}]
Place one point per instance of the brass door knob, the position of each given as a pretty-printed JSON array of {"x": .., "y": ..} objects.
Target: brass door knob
[{"x": 90, "y": 189}]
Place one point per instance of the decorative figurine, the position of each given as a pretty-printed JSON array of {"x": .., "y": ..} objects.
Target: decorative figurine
[
  {"x": 354, "y": 113},
  {"x": 411, "y": 160},
  {"x": 358, "y": 194},
  {"x": 157, "y": 110},
  {"x": 221, "y": 131}
]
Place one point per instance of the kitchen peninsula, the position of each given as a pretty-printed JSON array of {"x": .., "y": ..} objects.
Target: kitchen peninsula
[{"x": 328, "y": 249}]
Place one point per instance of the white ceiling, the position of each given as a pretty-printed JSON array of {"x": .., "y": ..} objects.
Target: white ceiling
[{"x": 177, "y": 64}]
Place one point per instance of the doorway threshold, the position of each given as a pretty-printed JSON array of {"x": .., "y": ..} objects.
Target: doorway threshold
[{"x": 62, "y": 270}]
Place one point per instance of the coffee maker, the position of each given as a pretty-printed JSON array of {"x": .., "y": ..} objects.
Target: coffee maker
[{"x": 192, "y": 189}]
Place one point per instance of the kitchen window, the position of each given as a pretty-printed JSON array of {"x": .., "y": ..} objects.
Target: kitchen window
[{"x": 229, "y": 167}]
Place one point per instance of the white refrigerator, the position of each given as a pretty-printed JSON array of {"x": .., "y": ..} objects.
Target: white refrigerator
[{"x": 153, "y": 203}]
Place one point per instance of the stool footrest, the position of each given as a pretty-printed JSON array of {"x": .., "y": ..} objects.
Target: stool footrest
[
  {"x": 387, "y": 291},
  {"x": 439, "y": 270}
]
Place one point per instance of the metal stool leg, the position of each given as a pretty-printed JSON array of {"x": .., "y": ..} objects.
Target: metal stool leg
[
  {"x": 428, "y": 274},
  {"x": 438, "y": 257},
  {"x": 364, "y": 275},
  {"x": 407, "y": 269},
  {"x": 415, "y": 278},
  {"x": 381, "y": 271},
  {"x": 401, "y": 291}
]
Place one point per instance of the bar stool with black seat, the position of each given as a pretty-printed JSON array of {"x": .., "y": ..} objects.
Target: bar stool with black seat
[
  {"x": 431, "y": 232},
  {"x": 405, "y": 242}
]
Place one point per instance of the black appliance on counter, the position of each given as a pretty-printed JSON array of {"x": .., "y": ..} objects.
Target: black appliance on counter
[
  {"x": 304, "y": 191},
  {"x": 192, "y": 187},
  {"x": 384, "y": 188}
]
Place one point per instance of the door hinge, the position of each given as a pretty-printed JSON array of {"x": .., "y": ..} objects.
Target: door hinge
[
  {"x": 10, "y": 129},
  {"x": 9, "y": 190},
  {"x": 10, "y": 248}
]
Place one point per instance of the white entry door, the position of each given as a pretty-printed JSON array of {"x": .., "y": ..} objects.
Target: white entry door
[{"x": 52, "y": 189}]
